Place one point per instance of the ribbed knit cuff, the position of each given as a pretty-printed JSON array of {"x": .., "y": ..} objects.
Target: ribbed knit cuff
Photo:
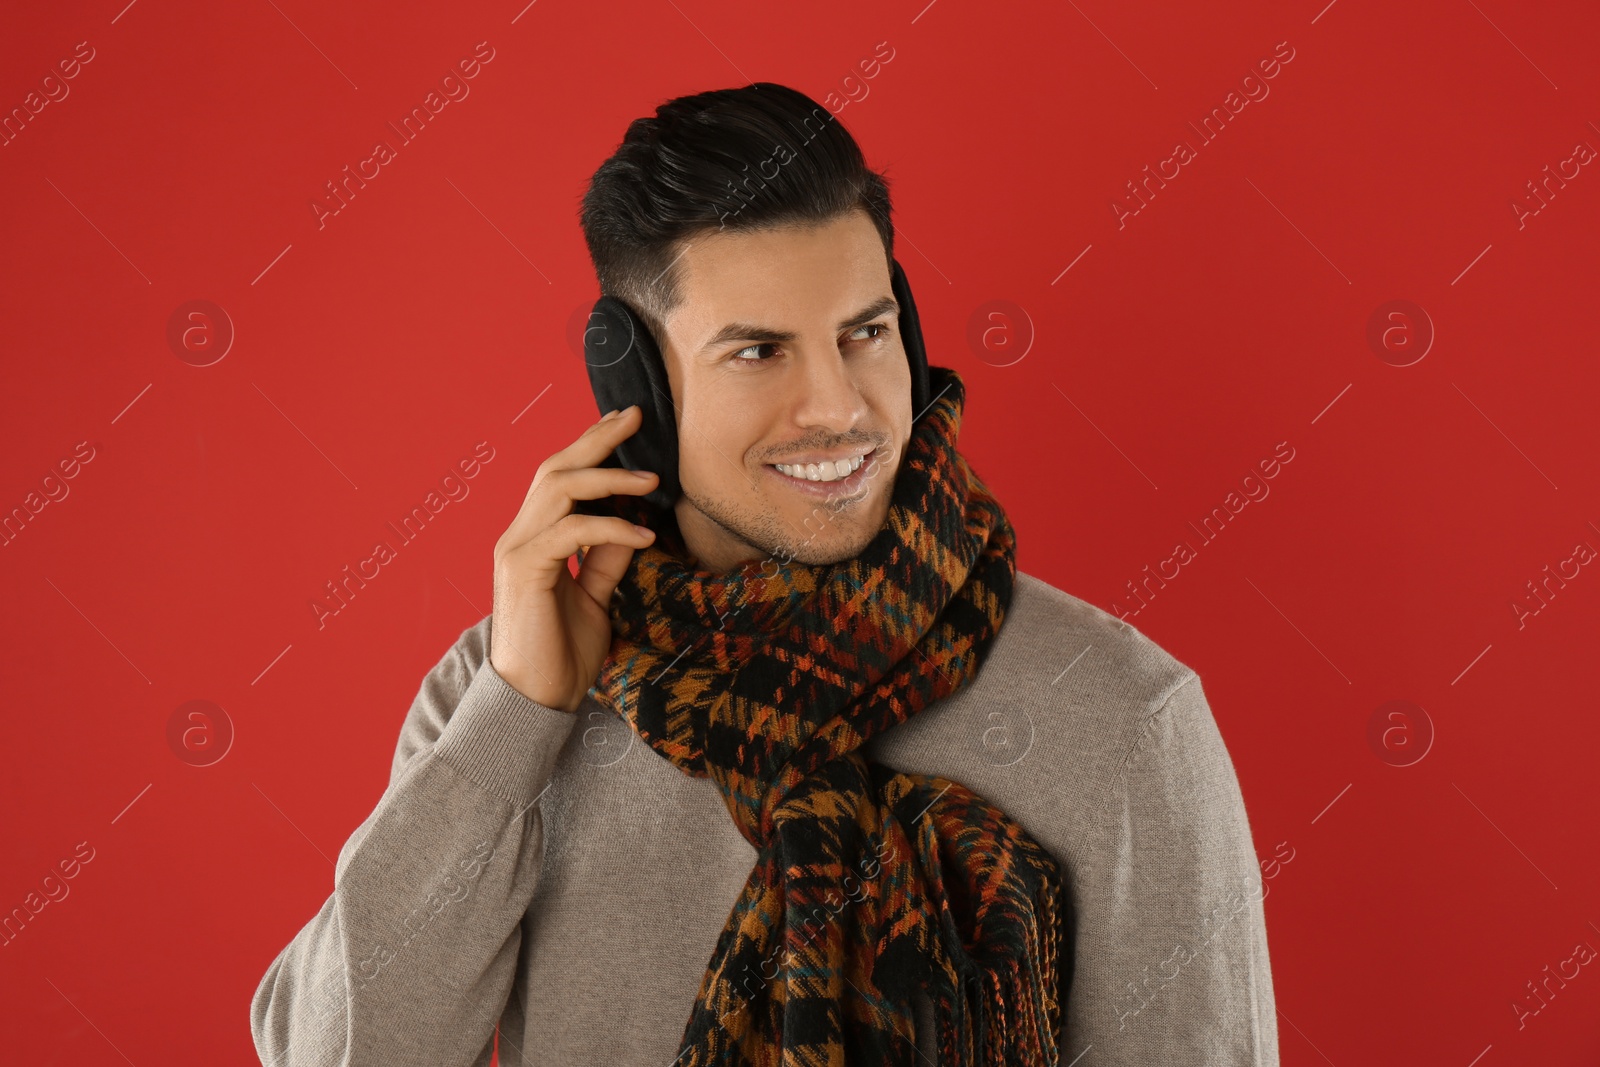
[{"x": 502, "y": 740}]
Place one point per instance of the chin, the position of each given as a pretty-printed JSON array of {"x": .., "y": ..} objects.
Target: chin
[
  {"x": 842, "y": 535},
  {"x": 814, "y": 555}
]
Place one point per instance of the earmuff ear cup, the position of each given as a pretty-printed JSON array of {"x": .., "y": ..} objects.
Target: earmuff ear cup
[
  {"x": 911, "y": 339},
  {"x": 626, "y": 367}
]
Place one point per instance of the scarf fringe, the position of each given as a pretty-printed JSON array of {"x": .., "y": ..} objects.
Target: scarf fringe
[{"x": 1010, "y": 1015}]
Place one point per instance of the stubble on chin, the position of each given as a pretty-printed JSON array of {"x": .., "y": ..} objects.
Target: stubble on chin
[{"x": 834, "y": 531}]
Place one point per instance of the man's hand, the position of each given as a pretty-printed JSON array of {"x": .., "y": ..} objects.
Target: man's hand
[{"x": 551, "y": 631}]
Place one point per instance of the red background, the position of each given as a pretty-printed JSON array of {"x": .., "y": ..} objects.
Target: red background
[{"x": 1228, "y": 315}]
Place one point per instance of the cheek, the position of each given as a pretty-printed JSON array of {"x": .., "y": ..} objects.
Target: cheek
[
  {"x": 715, "y": 436},
  {"x": 891, "y": 385}
]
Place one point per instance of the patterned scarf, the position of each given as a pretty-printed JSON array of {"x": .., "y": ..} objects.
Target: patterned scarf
[{"x": 868, "y": 883}]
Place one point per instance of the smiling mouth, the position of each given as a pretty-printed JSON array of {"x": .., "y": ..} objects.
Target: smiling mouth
[{"x": 825, "y": 480}]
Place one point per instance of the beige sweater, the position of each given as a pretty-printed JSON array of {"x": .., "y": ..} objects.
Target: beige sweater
[{"x": 549, "y": 873}]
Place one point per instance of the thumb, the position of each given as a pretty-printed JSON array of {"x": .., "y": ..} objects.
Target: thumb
[{"x": 603, "y": 567}]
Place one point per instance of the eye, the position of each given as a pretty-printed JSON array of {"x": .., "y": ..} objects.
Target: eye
[
  {"x": 878, "y": 338},
  {"x": 738, "y": 356}
]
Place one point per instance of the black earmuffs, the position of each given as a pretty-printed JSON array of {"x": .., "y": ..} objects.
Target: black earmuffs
[{"x": 625, "y": 367}]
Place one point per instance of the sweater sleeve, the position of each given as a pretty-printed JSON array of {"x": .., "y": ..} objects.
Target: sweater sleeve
[
  {"x": 1171, "y": 961},
  {"x": 412, "y": 958}
]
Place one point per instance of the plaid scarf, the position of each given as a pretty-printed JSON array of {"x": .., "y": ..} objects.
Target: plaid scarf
[{"x": 868, "y": 883}]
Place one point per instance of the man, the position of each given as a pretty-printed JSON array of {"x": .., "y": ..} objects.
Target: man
[{"x": 800, "y": 765}]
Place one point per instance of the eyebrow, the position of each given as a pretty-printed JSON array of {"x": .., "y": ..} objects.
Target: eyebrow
[{"x": 746, "y": 331}]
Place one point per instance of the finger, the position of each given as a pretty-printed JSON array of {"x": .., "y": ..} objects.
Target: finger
[
  {"x": 552, "y": 495},
  {"x": 603, "y": 567},
  {"x": 554, "y": 546},
  {"x": 598, "y": 441},
  {"x": 591, "y": 483}
]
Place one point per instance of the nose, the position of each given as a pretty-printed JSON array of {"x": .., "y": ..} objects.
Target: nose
[{"x": 826, "y": 393}]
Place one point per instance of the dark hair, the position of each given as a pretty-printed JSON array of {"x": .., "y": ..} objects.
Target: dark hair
[{"x": 702, "y": 163}]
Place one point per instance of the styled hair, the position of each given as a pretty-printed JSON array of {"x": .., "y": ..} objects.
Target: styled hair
[{"x": 753, "y": 158}]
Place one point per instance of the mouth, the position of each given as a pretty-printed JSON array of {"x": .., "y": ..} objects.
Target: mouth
[{"x": 826, "y": 485}]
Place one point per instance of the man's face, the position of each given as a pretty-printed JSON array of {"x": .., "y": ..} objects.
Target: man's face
[{"x": 786, "y": 350}]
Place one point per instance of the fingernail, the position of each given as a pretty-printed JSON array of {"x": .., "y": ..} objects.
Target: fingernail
[
  {"x": 610, "y": 414},
  {"x": 645, "y": 530},
  {"x": 643, "y": 474}
]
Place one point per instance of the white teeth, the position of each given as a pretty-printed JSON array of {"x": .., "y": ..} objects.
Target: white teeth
[{"x": 827, "y": 471}]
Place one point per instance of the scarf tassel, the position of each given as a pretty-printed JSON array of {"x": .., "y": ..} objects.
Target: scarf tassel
[{"x": 1009, "y": 1015}]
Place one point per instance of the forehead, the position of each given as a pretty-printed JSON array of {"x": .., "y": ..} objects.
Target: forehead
[{"x": 781, "y": 277}]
